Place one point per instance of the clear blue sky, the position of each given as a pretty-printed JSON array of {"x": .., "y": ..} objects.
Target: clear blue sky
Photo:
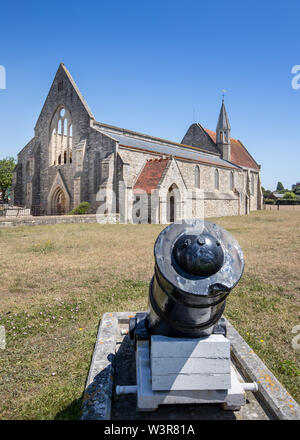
[{"x": 145, "y": 65}]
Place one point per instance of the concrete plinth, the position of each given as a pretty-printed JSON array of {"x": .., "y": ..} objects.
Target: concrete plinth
[
  {"x": 148, "y": 399},
  {"x": 113, "y": 363}
]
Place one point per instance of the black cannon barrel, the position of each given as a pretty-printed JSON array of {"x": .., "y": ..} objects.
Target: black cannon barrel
[{"x": 197, "y": 263}]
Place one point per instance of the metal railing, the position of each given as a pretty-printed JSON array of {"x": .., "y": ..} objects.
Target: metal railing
[{"x": 13, "y": 211}]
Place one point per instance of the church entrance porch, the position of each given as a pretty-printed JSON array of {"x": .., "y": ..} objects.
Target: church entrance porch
[
  {"x": 173, "y": 200},
  {"x": 59, "y": 205}
]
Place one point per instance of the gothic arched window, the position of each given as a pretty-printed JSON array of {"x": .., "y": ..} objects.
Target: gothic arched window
[
  {"x": 217, "y": 183},
  {"x": 197, "y": 177},
  {"x": 60, "y": 145},
  {"x": 231, "y": 181},
  {"x": 252, "y": 184}
]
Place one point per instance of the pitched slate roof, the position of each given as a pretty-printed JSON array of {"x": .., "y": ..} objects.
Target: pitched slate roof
[
  {"x": 150, "y": 175},
  {"x": 142, "y": 142},
  {"x": 239, "y": 154}
]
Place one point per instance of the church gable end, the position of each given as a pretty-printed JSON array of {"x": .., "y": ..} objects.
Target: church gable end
[
  {"x": 151, "y": 175},
  {"x": 197, "y": 137}
]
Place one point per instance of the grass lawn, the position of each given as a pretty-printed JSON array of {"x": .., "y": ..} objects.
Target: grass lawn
[{"x": 57, "y": 281}]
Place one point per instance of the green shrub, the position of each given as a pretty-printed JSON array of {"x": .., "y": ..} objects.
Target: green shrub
[
  {"x": 269, "y": 201},
  {"x": 82, "y": 208},
  {"x": 290, "y": 195}
]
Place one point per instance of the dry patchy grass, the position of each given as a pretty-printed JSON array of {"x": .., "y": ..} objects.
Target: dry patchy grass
[{"x": 56, "y": 282}]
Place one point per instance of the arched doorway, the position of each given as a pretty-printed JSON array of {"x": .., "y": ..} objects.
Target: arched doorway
[
  {"x": 58, "y": 202},
  {"x": 173, "y": 199}
]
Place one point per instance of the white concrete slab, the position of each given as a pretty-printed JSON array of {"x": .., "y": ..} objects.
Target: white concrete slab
[
  {"x": 189, "y": 365},
  {"x": 214, "y": 346},
  {"x": 191, "y": 382}
]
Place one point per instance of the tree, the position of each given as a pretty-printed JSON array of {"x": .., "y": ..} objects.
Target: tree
[
  {"x": 289, "y": 195},
  {"x": 7, "y": 166},
  {"x": 266, "y": 193},
  {"x": 279, "y": 187},
  {"x": 296, "y": 190}
]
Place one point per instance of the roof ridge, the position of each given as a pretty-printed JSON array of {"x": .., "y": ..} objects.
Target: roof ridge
[
  {"x": 157, "y": 159},
  {"x": 207, "y": 134}
]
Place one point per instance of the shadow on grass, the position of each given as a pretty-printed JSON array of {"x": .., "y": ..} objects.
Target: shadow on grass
[{"x": 72, "y": 411}]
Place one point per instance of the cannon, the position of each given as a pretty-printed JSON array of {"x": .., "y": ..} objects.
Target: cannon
[
  {"x": 196, "y": 265},
  {"x": 182, "y": 353}
]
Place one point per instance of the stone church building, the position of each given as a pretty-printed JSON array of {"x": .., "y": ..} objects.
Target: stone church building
[{"x": 73, "y": 158}]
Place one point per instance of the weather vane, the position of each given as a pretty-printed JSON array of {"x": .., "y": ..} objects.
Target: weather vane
[{"x": 223, "y": 93}]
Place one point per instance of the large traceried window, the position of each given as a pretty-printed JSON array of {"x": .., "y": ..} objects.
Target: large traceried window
[
  {"x": 60, "y": 146},
  {"x": 217, "y": 180},
  {"x": 197, "y": 177}
]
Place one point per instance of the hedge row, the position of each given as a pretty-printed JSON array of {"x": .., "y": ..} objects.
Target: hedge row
[{"x": 288, "y": 202}]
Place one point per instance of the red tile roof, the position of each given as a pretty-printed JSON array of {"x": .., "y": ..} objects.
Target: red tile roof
[
  {"x": 212, "y": 134},
  {"x": 150, "y": 175},
  {"x": 239, "y": 154}
]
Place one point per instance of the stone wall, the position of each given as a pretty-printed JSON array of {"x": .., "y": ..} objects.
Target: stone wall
[
  {"x": 61, "y": 219},
  {"x": 221, "y": 202}
]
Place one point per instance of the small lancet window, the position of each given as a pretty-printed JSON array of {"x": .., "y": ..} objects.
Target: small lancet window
[
  {"x": 217, "y": 183},
  {"x": 231, "y": 181},
  {"x": 197, "y": 177},
  {"x": 252, "y": 184}
]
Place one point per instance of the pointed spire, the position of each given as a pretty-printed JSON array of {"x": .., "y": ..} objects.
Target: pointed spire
[
  {"x": 223, "y": 121},
  {"x": 223, "y": 132}
]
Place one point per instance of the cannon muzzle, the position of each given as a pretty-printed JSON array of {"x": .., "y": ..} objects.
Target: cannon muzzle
[{"x": 197, "y": 263}]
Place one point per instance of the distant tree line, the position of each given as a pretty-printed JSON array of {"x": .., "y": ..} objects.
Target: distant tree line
[{"x": 289, "y": 195}]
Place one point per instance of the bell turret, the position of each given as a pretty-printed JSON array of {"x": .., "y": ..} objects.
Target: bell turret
[{"x": 223, "y": 133}]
